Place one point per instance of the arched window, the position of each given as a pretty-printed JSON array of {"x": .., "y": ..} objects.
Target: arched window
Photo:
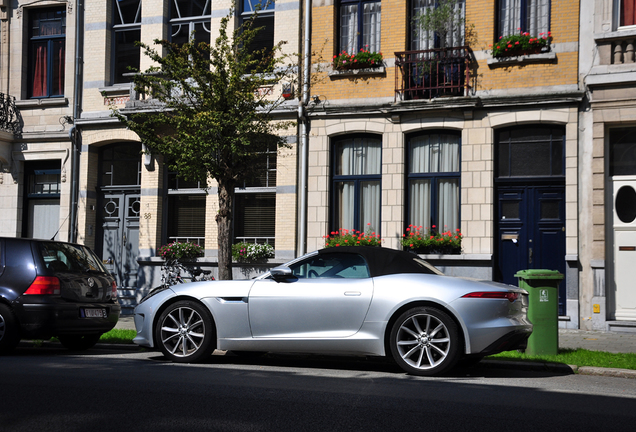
[
  {"x": 355, "y": 198},
  {"x": 433, "y": 181}
]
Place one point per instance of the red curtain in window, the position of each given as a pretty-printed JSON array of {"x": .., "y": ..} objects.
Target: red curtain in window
[
  {"x": 40, "y": 71},
  {"x": 58, "y": 69},
  {"x": 628, "y": 12}
]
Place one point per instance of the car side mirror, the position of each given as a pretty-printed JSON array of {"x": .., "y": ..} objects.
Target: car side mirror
[{"x": 282, "y": 274}]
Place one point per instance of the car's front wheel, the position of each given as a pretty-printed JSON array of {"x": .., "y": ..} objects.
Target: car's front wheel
[
  {"x": 9, "y": 329},
  {"x": 79, "y": 342},
  {"x": 184, "y": 332},
  {"x": 425, "y": 341}
]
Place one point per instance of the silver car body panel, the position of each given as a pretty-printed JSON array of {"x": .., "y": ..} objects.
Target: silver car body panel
[{"x": 336, "y": 316}]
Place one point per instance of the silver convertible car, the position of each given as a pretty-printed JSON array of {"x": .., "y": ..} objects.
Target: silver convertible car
[{"x": 364, "y": 301}]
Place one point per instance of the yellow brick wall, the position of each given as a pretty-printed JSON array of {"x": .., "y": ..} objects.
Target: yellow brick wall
[{"x": 480, "y": 16}]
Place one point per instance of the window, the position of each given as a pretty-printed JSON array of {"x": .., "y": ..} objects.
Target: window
[
  {"x": 433, "y": 181},
  {"x": 186, "y": 211},
  {"x": 627, "y": 12},
  {"x": 47, "y": 50},
  {"x": 42, "y": 201},
  {"x": 452, "y": 33},
  {"x": 336, "y": 265},
  {"x": 356, "y": 184},
  {"x": 264, "y": 20},
  {"x": 359, "y": 26},
  {"x": 121, "y": 165},
  {"x": 189, "y": 16},
  {"x": 127, "y": 28},
  {"x": 532, "y": 16},
  {"x": 255, "y": 203},
  {"x": 530, "y": 151},
  {"x": 622, "y": 151}
]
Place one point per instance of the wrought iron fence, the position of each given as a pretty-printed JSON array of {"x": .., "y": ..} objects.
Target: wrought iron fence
[{"x": 427, "y": 74}]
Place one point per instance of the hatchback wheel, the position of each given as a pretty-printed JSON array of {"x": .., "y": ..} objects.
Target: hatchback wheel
[
  {"x": 185, "y": 333},
  {"x": 425, "y": 341},
  {"x": 79, "y": 342},
  {"x": 9, "y": 329}
]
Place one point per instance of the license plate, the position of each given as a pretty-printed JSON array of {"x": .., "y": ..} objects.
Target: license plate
[{"x": 93, "y": 313}]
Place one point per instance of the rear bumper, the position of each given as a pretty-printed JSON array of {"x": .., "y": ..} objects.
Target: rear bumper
[
  {"x": 44, "y": 320},
  {"x": 513, "y": 340}
]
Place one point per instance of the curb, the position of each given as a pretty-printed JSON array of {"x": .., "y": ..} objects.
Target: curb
[
  {"x": 611, "y": 372},
  {"x": 560, "y": 368}
]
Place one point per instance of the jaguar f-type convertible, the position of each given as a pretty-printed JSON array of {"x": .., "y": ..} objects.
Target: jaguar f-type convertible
[{"x": 361, "y": 301}]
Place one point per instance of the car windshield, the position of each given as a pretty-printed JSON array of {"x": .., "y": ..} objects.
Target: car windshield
[{"x": 70, "y": 258}]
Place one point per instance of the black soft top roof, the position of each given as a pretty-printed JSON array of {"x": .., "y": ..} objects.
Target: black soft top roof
[{"x": 385, "y": 261}]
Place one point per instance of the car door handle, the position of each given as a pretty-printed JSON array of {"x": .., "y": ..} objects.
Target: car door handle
[{"x": 352, "y": 293}]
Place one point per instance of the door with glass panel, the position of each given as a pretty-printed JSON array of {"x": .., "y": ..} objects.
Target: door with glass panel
[
  {"x": 531, "y": 232},
  {"x": 622, "y": 182},
  {"x": 530, "y": 206},
  {"x": 356, "y": 184},
  {"x": 119, "y": 207}
]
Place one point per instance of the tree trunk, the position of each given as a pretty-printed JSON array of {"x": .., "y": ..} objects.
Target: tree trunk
[{"x": 224, "y": 223}]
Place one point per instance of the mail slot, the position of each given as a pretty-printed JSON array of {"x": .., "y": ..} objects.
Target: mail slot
[
  {"x": 510, "y": 236},
  {"x": 627, "y": 248}
]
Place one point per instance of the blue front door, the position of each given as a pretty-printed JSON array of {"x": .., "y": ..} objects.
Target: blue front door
[{"x": 530, "y": 232}]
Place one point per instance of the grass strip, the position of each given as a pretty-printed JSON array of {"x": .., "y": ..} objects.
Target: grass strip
[
  {"x": 579, "y": 357},
  {"x": 118, "y": 336}
]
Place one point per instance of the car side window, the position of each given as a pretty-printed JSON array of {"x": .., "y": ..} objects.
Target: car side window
[{"x": 338, "y": 265}]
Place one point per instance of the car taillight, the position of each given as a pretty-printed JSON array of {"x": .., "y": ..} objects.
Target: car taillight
[
  {"x": 44, "y": 285},
  {"x": 510, "y": 296},
  {"x": 113, "y": 292}
]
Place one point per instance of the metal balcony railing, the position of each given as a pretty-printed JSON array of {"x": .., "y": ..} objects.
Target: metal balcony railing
[
  {"x": 427, "y": 74},
  {"x": 8, "y": 114}
]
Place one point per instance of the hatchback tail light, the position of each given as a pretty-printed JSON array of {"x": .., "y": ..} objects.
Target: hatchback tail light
[
  {"x": 44, "y": 285},
  {"x": 510, "y": 296},
  {"x": 113, "y": 292}
]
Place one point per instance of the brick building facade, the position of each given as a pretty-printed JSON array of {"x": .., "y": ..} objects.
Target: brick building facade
[{"x": 511, "y": 117}]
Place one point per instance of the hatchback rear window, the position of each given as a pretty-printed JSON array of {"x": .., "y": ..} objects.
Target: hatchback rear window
[{"x": 64, "y": 257}]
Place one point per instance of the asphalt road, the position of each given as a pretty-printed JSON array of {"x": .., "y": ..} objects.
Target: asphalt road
[{"x": 48, "y": 389}]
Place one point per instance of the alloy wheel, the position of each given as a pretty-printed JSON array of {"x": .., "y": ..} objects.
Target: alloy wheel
[
  {"x": 423, "y": 341},
  {"x": 182, "y": 331}
]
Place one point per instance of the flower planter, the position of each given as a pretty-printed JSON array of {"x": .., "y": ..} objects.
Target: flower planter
[{"x": 435, "y": 251}]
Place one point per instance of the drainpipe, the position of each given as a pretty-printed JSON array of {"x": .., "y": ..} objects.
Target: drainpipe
[
  {"x": 74, "y": 134},
  {"x": 304, "y": 134}
]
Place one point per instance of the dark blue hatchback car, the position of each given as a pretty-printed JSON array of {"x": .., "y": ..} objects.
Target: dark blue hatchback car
[{"x": 51, "y": 288}]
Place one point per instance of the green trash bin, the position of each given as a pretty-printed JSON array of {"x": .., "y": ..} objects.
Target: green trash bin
[{"x": 543, "y": 309}]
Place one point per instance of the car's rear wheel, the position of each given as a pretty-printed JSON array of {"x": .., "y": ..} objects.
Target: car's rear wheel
[
  {"x": 9, "y": 329},
  {"x": 79, "y": 342},
  {"x": 185, "y": 333},
  {"x": 425, "y": 341}
]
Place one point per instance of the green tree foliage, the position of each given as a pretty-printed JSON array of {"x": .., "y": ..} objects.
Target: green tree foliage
[{"x": 206, "y": 111}]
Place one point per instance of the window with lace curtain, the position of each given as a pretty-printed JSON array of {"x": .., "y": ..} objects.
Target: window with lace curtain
[
  {"x": 433, "y": 181},
  {"x": 47, "y": 52},
  {"x": 357, "y": 169},
  {"x": 532, "y": 16},
  {"x": 360, "y": 23},
  {"x": 421, "y": 39}
]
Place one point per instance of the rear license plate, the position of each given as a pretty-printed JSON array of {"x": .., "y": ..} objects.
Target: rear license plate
[{"x": 93, "y": 313}]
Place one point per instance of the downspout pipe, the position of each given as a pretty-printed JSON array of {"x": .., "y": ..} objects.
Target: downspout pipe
[
  {"x": 74, "y": 133},
  {"x": 304, "y": 134}
]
